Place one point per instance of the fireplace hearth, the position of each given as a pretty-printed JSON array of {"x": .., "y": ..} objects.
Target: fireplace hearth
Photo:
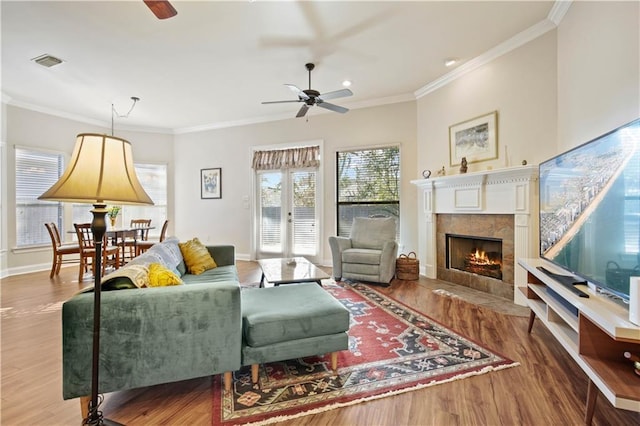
[{"x": 475, "y": 255}]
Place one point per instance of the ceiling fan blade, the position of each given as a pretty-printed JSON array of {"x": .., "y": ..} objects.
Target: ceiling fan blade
[
  {"x": 281, "y": 102},
  {"x": 295, "y": 89},
  {"x": 332, "y": 107},
  {"x": 303, "y": 111},
  {"x": 161, "y": 8},
  {"x": 336, "y": 94}
]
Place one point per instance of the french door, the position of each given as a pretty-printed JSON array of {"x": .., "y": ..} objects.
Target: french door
[{"x": 287, "y": 214}]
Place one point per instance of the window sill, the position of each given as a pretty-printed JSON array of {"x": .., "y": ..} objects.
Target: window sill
[{"x": 31, "y": 249}]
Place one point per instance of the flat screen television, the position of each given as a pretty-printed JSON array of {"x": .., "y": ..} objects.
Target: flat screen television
[{"x": 590, "y": 210}]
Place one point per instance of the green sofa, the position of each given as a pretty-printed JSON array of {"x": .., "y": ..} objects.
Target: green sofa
[{"x": 156, "y": 335}]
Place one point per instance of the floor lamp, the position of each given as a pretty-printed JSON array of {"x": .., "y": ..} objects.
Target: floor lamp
[{"x": 101, "y": 171}]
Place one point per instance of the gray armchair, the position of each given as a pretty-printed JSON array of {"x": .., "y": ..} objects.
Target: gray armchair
[{"x": 369, "y": 254}]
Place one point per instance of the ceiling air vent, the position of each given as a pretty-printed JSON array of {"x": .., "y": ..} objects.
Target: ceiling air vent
[{"x": 47, "y": 60}]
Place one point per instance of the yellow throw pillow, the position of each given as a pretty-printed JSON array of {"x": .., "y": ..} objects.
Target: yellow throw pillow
[
  {"x": 160, "y": 276},
  {"x": 196, "y": 257}
]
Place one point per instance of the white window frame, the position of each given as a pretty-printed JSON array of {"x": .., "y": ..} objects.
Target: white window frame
[{"x": 35, "y": 234}]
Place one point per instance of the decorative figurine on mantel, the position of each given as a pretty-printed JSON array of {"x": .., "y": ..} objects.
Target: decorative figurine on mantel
[
  {"x": 441, "y": 172},
  {"x": 463, "y": 165}
]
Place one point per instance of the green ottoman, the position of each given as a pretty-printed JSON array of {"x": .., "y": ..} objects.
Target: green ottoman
[{"x": 292, "y": 321}]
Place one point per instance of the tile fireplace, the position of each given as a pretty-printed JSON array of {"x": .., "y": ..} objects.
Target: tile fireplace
[
  {"x": 498, "y": 207},
  {"x": 490, "y": 234},
  {"x": 475, "y": 255}
]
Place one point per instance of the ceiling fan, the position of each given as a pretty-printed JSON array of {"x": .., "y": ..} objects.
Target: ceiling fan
[
  {"x": 161, "y": 8},
  {"x": 312, "y": 97}
]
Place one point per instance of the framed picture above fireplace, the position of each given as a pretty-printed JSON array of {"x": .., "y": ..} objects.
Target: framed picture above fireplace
[{"x": 475, "y": 139}]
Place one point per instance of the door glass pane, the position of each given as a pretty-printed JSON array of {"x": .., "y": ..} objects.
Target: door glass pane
[
  {"x": 303, "y": 224},
  {"x": 270, "y": 214}
]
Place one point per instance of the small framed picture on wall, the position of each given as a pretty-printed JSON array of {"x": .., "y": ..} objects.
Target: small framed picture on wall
[{"x": 211, "y": 183}]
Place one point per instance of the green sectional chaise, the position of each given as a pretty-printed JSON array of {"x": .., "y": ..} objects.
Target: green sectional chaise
[{"x": 156, "y": 335}]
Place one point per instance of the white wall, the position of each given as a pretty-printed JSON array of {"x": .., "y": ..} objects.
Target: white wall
[
  {"x": 36, "y": 130},
  {"x": 228, "y": 221},
  {"x": 4, "y": 253},
  {"x": 598, "y": 70},
  {"x": 520, "y": 85}
]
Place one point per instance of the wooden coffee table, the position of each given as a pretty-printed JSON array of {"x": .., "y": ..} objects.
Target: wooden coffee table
[{"x": 290, "y": 270}]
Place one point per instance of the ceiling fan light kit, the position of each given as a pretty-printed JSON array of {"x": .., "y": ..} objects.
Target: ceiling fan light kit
[{"x": 312, "y": 97}]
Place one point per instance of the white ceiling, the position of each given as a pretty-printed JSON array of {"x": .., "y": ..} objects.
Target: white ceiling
[{"x": 215, "y": 62}]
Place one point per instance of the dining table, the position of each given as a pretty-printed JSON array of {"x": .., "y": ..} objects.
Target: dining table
[{"x": 117, "y": 236}]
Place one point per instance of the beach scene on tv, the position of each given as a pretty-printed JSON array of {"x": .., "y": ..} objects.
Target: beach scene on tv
[{"x": 590, "y": 209}]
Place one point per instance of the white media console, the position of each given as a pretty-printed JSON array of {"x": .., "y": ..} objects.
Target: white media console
[{"x": 595, "y": 331}]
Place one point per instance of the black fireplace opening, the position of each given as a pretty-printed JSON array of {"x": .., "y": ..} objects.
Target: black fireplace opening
[{"x": 476, "y": 255}]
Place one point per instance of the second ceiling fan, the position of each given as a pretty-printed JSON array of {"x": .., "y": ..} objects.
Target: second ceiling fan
[{"x": 312, "y": 97}]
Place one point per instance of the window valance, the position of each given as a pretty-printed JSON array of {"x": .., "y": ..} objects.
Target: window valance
[{"x": 308, "y": 156}]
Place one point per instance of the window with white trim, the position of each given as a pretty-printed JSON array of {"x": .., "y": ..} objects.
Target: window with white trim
[
  {"x": 153, "y": 178},
  {"x": 368, "y": 182},
  {"x": 36, "y": 172}
]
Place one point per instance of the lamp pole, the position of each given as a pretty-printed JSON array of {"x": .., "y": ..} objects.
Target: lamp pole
[{"x": 98, "y": 228}]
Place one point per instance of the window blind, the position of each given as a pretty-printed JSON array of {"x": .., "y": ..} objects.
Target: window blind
[
  {"x": 36, "y": 172},
  {"x": 153, "y": 178},
  {"x": 368, "y": 184}
]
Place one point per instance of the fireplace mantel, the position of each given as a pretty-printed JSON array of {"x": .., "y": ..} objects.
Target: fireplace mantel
[{"x": 502, "y": 191}]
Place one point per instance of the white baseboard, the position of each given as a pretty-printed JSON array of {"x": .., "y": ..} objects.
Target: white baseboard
[
  {"x": 243, "y": 256},
  {"x": 21, "y": 270}
]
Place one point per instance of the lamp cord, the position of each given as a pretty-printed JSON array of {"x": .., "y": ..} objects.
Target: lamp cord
[{"x": 95, "y": 416}]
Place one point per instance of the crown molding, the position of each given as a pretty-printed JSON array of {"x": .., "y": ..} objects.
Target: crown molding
[
  {"x": 81, "y": 118},
  {"x": 407, "y": 97},
  {"x": 559, "y": 9},
  {"x": 501, "y": 49},
  {"x": 555, "y": 16}
]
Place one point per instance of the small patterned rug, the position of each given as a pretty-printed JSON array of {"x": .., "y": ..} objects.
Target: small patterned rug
[{"x": 392, "y": 349}]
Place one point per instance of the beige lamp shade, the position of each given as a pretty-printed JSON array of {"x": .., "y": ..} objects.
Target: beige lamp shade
[{"x": 101, "y": 171}]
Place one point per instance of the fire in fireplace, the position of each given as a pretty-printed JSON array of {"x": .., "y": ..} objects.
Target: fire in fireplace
[{"x": 477, "y": 255}]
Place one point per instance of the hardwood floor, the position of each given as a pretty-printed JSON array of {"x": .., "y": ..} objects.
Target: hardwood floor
[{"x": 548, "y": 388}]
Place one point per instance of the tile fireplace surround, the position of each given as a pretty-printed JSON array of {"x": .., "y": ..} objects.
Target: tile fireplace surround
[{"x": 505, "y": 194}]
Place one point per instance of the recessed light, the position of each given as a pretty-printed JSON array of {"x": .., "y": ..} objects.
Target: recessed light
[
  {"x": 450, "y": 62},
  {"x": 346, "y": 83}
]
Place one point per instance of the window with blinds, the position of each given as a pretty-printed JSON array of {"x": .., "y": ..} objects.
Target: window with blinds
[
  {"x": 368, "y": 184},
  {"x": 36, "y": 171},
  {"x": 153, "y": 178}
]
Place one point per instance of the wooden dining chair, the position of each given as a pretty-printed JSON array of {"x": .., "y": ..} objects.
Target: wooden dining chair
[
  {"x": 110, "y": 254},
  {"x": 143, "y": 246},
  {"x": 60, "y": 251},
  {"x": 130, "y": 244}
]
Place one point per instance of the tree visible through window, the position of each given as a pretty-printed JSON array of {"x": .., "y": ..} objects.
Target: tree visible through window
[{"x": 368, "y": 184}]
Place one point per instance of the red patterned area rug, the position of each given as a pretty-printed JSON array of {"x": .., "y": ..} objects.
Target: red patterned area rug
[{"x": 392, "y": 349}]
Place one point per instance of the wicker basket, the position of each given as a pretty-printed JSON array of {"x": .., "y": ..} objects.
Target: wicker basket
[{"x": 407, "y": 267}]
